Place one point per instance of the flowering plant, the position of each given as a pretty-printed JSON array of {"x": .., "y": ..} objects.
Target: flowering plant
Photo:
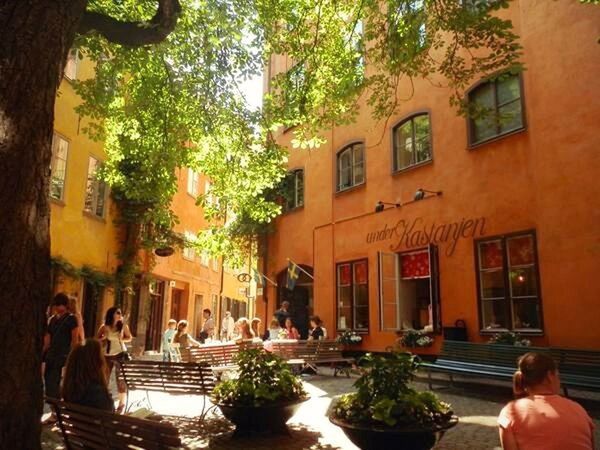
[
  {"x": 349, "y": 337},
  {"x": 510, "y": 338},
  {"x": 415, "y": 338}
]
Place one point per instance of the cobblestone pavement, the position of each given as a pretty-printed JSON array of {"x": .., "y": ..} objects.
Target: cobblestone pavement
[{"x": 476, "y": 402}]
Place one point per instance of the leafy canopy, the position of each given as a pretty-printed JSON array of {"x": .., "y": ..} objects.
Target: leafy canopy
[{"x": 178, "y": 103}]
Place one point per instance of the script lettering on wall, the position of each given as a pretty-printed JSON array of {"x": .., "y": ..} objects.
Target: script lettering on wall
[{"x": 406, "y": 234}]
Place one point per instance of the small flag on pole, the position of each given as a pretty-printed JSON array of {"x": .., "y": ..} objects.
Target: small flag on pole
[
  {"x": 293, "y": 272},
  {"x": 258, "y": 277}
]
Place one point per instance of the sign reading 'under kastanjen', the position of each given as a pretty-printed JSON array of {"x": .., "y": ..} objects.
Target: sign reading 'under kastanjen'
[{"x": 409, "y": 234}]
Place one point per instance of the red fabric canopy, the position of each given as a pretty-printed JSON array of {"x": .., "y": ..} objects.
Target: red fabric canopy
[
  {"x": 344, "y": 275},
  {"x": 415, "y": 265},
  {"x": 491, "y": 255},
  {"x": 520, "y": 250},
  {"x": 360, "y": 272}
]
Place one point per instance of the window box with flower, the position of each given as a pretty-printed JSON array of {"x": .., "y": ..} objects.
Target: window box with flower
[
  {"x": 349, "y": 337},
  {"x": 415, "y": 339}
]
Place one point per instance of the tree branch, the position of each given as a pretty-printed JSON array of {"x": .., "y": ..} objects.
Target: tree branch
[{"x": 134, "y": 34}]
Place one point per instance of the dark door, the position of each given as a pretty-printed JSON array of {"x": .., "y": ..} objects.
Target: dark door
[
  {"x": 154, "y": 331},
  {"x": 91, "y": 313},
  {"x": 178, "y": 305},
  {"x": 299, "y": 300}
]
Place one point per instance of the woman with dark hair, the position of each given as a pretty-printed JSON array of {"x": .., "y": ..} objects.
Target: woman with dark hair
[
  {"x": 85, "y": 381},
  {"x": 541, "y": 418},
  {"x": 316, "y": 331},
  {"x": 113, "y": 335}
]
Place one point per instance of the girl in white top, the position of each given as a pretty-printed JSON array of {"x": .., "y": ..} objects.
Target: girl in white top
[{"x": 113, "y": 335}]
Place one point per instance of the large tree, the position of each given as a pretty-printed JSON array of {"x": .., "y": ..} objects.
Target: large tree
[
  {"x": 35, "y": 38},
  {"x": 166, "y": 95}
]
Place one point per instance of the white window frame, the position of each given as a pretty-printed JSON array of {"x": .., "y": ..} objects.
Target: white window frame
[
  {"x": 72, "y": 65},
  {"x": 204, "y": 258},
  {"x": 193, "y": 182},
  {"x": 352, "y": 149},
  {"x": 189, "y": 253},
  {"x": 97, "y": 185},
  {"x": 58, "y": 139}
]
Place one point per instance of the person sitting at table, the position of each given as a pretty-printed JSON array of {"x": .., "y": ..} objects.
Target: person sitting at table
[
  {"x": 275, "y": 331},
  {"x": 541, "y": 418},
  {"x": 291, "y": 330},
  {"x": 245, "y": 332},
  {"x": 183, "y": 338},
  {"x": 255, "y": 326},
  {"x": 316, "y": 331}
]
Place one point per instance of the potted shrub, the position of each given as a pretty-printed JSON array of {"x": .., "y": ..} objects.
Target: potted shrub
[
  {"x": 386, "y": 413},
  {"x": 263, "y": 396}
]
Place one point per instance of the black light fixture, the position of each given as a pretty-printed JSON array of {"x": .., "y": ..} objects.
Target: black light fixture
[
  {"x": 380, "y": 206},
  {"x": 422, "y": 193}
]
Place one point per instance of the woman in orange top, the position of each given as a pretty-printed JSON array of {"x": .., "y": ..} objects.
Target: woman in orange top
[{"x": 541, "y": 419}]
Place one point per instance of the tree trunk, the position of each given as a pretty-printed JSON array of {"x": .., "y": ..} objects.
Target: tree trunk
[{"x": 35, "y": 37}]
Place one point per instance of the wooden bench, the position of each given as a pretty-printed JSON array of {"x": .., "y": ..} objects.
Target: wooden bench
[
  {"x": 330, "y": 352},
  {"x": 183, "y": 378},
  {"x": 486, "y": 360},
  {"x": 289, "y": 350},
  {"x": 90, "y": 428},
  {"x": 578, "y": 368},
  {"x": 216, "y": 355}
]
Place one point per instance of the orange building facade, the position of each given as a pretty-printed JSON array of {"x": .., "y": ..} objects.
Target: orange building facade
[{"x": 507, "y": 239}]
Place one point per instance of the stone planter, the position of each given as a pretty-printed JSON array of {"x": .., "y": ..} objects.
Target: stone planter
[
  {"x": 369, "y": 438},
  {"x": 261, "y": 419}
]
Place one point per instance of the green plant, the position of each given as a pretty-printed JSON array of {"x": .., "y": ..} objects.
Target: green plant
[
  {"x": 510, "y": 338},
  {"x": 384, "y": 398},
  {"x": 263, "y": 378}
]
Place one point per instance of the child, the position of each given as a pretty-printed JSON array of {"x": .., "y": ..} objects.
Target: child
[{"x": 168, "y": 350}]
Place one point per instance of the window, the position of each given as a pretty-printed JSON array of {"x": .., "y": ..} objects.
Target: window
[
  {"x": 188, "y": 251},
  {"x": 295, "y": 95},
  {"x": 58, "y": 167},
  {"x": 215, "y": 264},
  {"x": 350, "y": 166},
  {"x": 193, "y": 182},
  {"x": 409, "y": 290},
  {"x": 72, "y": 64},
  {"x": 95, "y": 191},
  {"x": 353, "y": 295},
  {"x": 412, "y": 142},
  {"x": 293, "y": 189},
  {"x": 204, "y": 258},
  {"x": 407, "y": 28},
  {"x": 508, "y": 283},
  {"x": 496, "y": 107}
]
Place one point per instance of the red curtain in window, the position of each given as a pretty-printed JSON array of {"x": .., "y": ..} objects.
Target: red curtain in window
[
  {"x": 360, "y": 272},
  {"x": 415, "y": 265},
  {"x": 345, "y": 275},
  {"x": 520, "y": 250},
  {"x": 491, "y": 255}
]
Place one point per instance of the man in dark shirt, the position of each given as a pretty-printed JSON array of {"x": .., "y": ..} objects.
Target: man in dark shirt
[
  {"x": 61, "y": 335},
  {"x": 282, "y": 313}
]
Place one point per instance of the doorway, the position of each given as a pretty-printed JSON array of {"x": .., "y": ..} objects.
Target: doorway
[
  {"x": 300, "y": 298},
  {"x": 157, "y": 300},
  {"x": 91, "y": 308},
  {"x": 178, "y": 305}
]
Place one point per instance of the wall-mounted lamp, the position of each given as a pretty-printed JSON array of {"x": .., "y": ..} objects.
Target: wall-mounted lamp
[
  {"x": 422, "y": 193},
  {"x": 380, "y": 206}
]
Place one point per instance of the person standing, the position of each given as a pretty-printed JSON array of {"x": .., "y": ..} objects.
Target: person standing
[
  {"x": 73, "y": 309},
  {"x": 169, "y": 353},
  {"x": 62, "y": 334},
  {"x": 113, "y": 335},
  {"x": 283, "y": 313},
  {"x": 208, "y": 329},
  {"x": 227, "y": 327},
  {"x": 541, "y": 418}
]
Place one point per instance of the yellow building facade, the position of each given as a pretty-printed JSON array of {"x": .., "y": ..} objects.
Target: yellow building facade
[{"x": 85, "y": 240}]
